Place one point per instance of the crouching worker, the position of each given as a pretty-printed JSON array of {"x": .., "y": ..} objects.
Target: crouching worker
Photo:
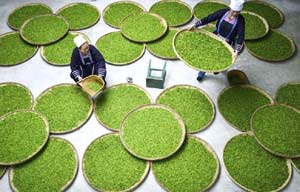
[{"x": 86, "y": 60}]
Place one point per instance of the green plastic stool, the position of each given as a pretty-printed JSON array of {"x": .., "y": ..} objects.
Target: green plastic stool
[{"x": 156, "y": 77}]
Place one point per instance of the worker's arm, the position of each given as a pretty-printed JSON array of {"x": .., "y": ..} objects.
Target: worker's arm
[
  {"x": 240, "y": 35},
  {"x": 211, "y": 18},
  {"x": 75, "y": 64},
  {"x": 100, "y": 62}
]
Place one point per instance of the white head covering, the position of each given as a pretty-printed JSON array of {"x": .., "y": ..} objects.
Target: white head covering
[
  {"x": 79, "y": 40},
  {"x": 236, "y": 5}
]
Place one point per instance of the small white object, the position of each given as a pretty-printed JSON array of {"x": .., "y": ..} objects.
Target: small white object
[
  {"x": 79, "y": 40},
  {"x": 236, "y": 5},
  {"x": 129, "y": 79}
]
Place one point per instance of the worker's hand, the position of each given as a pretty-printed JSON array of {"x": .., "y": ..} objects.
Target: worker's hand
[
  {"x": 235, "y": 55},
  {"x": 79, "y": 78}
]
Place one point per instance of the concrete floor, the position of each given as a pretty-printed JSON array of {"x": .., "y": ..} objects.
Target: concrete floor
[{"x": 38, "y": 75}]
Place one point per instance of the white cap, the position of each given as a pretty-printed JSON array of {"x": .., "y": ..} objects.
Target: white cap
[
  {"x": 236, "y": 5},
  {"x": 79, "y": 40}
]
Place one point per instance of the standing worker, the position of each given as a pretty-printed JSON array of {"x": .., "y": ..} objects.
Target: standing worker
[
  {"x": 86, "y": 60},
  {"x": 230, "y": 27}
]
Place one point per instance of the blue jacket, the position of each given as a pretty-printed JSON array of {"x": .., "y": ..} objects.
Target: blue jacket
[
  {"x": 238, "y": 32},
  {"x": 79, "y": 68}
]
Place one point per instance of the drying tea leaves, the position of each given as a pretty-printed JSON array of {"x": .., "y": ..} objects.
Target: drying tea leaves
[
  {"x": 44, "y": 29},
  {"x": 192, "y": 104},
  {"x": 152, "y": 132},
  {"x": 255, "y": 26},
  {"x": 53, "y": 169},
  {"x": 94, "y": 86},
  {"x": 59, "y": 53},
  {"x": 143, "y": 27},
  {"x": 206, "y": 7},
  {"x": 203, "y": 51},
  {"x": 275, "y": 46},
  {"x": 163, "y": 47},
  {"x": 268, "y": 11},
  {"x": 16, "y": 18},
  {"x": 289, "y": 94},
  {"x": 252, "y": 167},
  {"x": 277, "y": 128},
  {"x": 194, "y": 167},
  {"x": 14, "y": 96},
  {"x": 107, "y": 166},
  {"x": 14, "y": 50},
  {"x": 24, "y": 133},
  {"x": 66, "y": 107},
  {"x": 118, "y": 50},
  {"x": 115, "y": 102},
  {"x": 237, "y": 103},
  {"x": 175, "y": 12},
  {"x": 80, "y": 15},
  {"x": 116, "y": 12}
]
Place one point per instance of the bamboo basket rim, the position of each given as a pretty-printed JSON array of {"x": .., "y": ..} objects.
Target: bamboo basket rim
[
  {"x": 72, "y": 179},
  {"x": 122, "y": 63},
  {"x": 175, "y": 115},
  {"x": 78, "y": 3},
  {"x": 146, "y": 171},
  {"x": 289, "y": 167},
  {"x": 24, "y": 60},
  {"x": 202, "y": 92}
]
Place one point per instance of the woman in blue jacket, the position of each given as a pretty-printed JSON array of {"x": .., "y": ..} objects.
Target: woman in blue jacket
[
  {"x": 230, "y": 27},
  {"x": 86, "y": 60}
]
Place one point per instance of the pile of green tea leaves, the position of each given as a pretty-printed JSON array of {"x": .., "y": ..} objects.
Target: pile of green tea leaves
[
  {"x": 163, "y": 47},
  {"x": 238, "y": 103},
  {"x": 21, "y": 14},
  {"x": 60, "y": 52},
  {"x": 255, "y": 26},
  {"x": 192, "y": 104},
  {"x": 44, "y": 29},
  {"x": 118, "y": 50},
  {"x": 14, "y": 50},
  {"x": 107, "y": 165},
  {"x": 53, "y": 169},
  {"x": 116, "y": 12},
  {"x": 277, "y": 128},
  {"x": 252, "y": 167},
  {"x": 66, "y": 107},
  {"x": 203, "y": 52},
  {"x": 205, "y": 8},
  {"x": 271, "y": 13},
  {"x": 152, "y": 132},
  {"x": 80, "y": 15},
  {"x": 115, "y": 102},
  {"x": 194, "y": 167},
  {"x": 143, "y": 27},
  {"x": 289, "y": 94},
  {"x": 94, "y": 86},
  {"x": 175, "y": 12},
  {"x": 14, "y": 96},
  {"x": 24, "y": 133},
  {"x": 275, "y": 46}
]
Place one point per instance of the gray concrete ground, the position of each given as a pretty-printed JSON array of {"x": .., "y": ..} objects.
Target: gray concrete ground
[{"x": 38, "y": 75}]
